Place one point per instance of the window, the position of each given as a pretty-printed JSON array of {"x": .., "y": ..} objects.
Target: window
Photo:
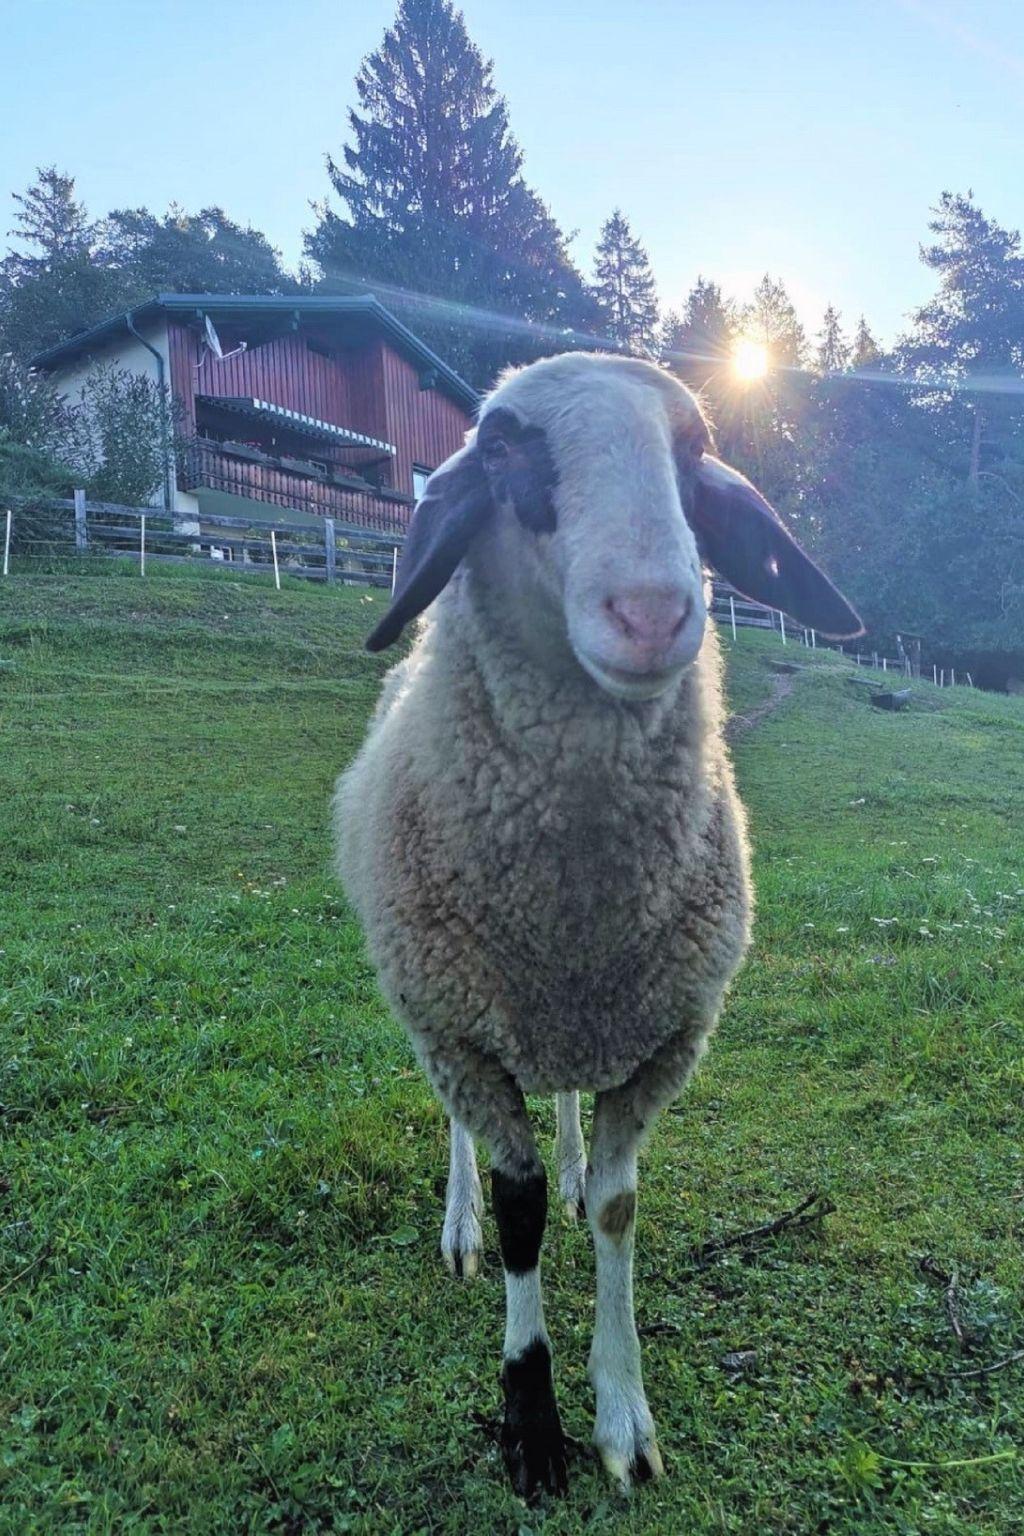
[{"x": 420, "y": 476}]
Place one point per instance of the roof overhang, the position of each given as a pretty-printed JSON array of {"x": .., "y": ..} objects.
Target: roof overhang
[
  {"x": 290, "y": 308},
  {"x": 295, "y": 421}
]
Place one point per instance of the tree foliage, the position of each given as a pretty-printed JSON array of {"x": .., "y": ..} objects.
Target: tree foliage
[
  {"x": 833, "y": 350},
  {"x": 67, "y": 272},
  {"x": 438, "y": 218},
  {"x": 771, "y": 319}
]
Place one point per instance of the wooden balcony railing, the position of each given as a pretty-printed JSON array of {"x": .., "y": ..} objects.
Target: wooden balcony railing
[{"x": 262, "y": 477}]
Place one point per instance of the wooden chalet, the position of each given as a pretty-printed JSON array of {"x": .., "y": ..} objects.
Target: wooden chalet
[{"x": 323, "y": 406}]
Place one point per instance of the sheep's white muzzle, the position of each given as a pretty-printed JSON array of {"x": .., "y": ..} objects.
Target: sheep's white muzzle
[{"x": 639, "y": 640}]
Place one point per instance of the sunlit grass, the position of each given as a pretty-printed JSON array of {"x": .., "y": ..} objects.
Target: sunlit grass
[{"x": 221, "y": 1173}]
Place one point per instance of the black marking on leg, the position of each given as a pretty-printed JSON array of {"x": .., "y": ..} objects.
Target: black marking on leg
[
  {"x": 531, "y": 1436},
  {"x": 521, "y": 1208}
]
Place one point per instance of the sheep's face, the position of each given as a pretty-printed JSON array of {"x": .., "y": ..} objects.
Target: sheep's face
[
  {"x": 588, "y": 501},
  {"x": 595, "y": 460}
]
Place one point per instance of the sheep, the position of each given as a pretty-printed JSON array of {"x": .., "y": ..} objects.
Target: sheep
[{"x": 541, "y": 834}]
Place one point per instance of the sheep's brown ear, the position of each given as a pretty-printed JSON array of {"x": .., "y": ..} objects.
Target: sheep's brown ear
[
  {"x": 454, "y": 505},
  {"x": 741, "y": 538}
]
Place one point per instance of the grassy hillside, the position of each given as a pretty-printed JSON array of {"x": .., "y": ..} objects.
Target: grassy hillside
[{"x": 221, "y": 1304}]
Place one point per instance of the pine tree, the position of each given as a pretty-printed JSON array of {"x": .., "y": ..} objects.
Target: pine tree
[
  {"x": 50, "y": 219},
  {"x": 438, "y": 219},
  {"x": 866, "y": 351},
  {"x": 772, "y": 320},
  {"x": 624, "y": 288},
  {"x": 833, "y": 353},
  {"x": 972, "y": 328},
  {"x": 53, "y": 288}
]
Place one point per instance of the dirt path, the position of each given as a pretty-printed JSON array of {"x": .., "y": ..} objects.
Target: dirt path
[{"x": 739, "y": 725}]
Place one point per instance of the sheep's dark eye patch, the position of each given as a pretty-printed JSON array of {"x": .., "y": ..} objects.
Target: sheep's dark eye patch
[{"x": 520, "y": 467}]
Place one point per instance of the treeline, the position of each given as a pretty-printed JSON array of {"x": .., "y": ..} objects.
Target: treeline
[{"x": 903, "y": 467}]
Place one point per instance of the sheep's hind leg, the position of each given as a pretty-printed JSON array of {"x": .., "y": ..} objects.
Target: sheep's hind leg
[
  {"x": 462, "y": 1239},
  {"x": 491, "y": 1107},
  {"x": 570, "y": 1154}
]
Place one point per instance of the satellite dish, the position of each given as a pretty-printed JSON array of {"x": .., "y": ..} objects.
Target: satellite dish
[{"x": 212, "y": 339}]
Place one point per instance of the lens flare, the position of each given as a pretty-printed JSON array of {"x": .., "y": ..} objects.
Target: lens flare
[{"x": 749, "y": 359}]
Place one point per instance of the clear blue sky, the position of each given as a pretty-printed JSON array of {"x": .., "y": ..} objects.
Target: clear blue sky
[{"x": 803, "y": 137}]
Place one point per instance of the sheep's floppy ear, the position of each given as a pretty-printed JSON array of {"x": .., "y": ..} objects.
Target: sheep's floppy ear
[
  {"x": 740, "y": 536},
  {"x": 454, "y": 505}
]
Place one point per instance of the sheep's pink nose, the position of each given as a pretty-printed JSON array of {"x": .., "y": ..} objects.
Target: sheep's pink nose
[{"x": 650, "y": 616}]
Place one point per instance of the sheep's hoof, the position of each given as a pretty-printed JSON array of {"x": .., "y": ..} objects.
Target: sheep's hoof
[
  {"x": 532, "y": 1442},
  {"x": 572, "y": 1183},
  {"x": 643, "y": 1466},
  {"x": 462, "y": 1243}
]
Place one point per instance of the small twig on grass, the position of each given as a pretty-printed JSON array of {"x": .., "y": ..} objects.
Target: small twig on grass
[
  {"x": 812, "y": 1208},
  {"x": 986, "y": 1370},
  {"x": 928, "y": 1266},
  {"x": 23, "y": 1272}
]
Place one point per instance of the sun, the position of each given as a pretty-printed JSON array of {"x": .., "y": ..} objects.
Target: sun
[{"x": 749, "y": 359}]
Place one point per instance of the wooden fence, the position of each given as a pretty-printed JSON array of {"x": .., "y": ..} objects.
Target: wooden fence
[{"x": 329, "y": 551}]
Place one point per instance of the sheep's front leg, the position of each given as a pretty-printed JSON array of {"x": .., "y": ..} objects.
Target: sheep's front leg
[
  {"x": 570, "y": 1153},
  {"x": 624, "y": 1429},
  {"x": 491, "y": 1107},
  {"x": 462, "y": 1240}
]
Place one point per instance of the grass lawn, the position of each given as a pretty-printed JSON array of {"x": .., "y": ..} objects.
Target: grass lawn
[{"x": 222, "y": 1308}]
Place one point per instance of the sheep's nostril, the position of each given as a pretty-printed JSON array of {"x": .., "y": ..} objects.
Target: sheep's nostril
[{"x": 650, "y": 617}]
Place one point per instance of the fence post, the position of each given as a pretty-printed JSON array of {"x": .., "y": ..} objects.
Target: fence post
[
  {"x": 142, "y": 545},
  {"x": 81, "y": 530},
  {"x": 273, "y": 547},
  {"x": 814, "y": 640},
  {"x": 329, "y": 549},
  {"x": 952, "y": 677},
  {"x": 394, "y": 569},
  {"x": 782, "y": 625},
  {"x": 732, "y": 614},
  {"x": 7, "y": 545},
  {"x": 885, "y": 664}
]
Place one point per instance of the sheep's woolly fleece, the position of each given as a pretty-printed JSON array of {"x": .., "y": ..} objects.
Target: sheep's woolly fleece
[{"x": 554, "y": 886}]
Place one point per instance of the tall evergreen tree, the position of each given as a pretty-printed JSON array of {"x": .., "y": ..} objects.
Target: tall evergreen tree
[
  {"x": 866, "y": 351},
  {"x": 971, "y": 332},
  {"x": 50, "y": 286},
  {"x": 438, "y": 218},
  {"x": 771, "y": 319},
  {"x": 833, "y": 351},
  {"x": 624, "y": 288}
]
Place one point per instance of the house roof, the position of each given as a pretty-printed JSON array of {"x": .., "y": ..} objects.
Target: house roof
[{"x": 231, "y": 306}]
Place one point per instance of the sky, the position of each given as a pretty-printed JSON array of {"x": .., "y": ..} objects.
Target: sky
[{"x": 806, "y": 138}]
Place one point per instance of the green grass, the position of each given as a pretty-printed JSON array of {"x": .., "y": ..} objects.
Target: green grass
[{"x": 222, "y": 1308}]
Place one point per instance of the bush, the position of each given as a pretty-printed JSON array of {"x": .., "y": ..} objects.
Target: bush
[{"x": 125, "y": 436}]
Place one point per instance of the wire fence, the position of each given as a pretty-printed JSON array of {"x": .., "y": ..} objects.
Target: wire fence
[{"x": 328, "y": 550}]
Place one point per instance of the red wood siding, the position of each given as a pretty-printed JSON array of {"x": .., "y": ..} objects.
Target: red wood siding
[
  {"x": 424, "y": 424},
  {"x": 371, "y": 388}
]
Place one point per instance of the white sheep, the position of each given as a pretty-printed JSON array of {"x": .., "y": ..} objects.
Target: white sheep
[{"x": 541, "y": 834}]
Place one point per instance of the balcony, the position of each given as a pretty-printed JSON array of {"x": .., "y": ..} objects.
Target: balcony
[{"x": 281, "y": 480}]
